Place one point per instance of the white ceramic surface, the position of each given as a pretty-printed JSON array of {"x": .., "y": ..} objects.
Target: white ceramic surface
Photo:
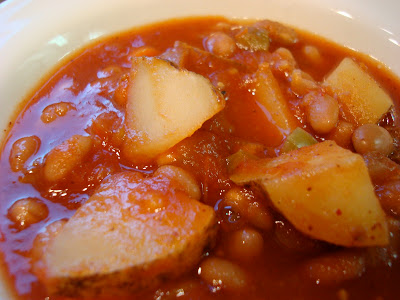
[{"x": 36, "y": 34}]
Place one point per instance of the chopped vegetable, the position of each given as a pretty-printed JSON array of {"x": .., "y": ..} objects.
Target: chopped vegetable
[
  {"x": 129, "y": 235},
  {"x": 331, "y": 188},
  {"x": 238, "y": 158},
  {"x": 297, "y": 139},
  {"x": 165, "y": 105},
  {"x": 120, "y": 169},
  {"x": 253, "y": 39},
  {"x": 278, "y": 32},
  {"x": 362, "y": 99},
  {"x": 270, "y": 98}
]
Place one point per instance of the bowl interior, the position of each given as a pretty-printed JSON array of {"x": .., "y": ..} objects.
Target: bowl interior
[{"x": 35, "y": 35}]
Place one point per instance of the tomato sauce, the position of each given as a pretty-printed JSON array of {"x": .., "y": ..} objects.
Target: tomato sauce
[{"x": 89, "y": 80}]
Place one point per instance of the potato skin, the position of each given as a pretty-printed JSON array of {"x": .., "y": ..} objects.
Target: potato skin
[
  {"x": 135, "y": 278},
  {"x": 331, "y": 188},
  {"x": 126, "y": 242}
]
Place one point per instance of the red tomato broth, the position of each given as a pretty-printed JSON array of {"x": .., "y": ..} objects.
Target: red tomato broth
[{"x": 275, "y": 274}]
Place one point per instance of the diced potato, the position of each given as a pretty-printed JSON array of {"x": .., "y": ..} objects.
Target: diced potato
[
  {"x": 270, "y": 98},
  {"x": 132, "y": 233},
  {"x": 41, "y": 243},
  {"x": 324, "y": 191},
  {"x": 165, "y": 105},
  {"x": 363, "y": 100}
]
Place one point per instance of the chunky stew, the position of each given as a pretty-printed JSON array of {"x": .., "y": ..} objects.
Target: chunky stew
[{"x": 205, "y": 158}]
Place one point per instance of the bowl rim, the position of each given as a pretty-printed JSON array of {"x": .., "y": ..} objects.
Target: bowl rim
[{"x": 32, "y": 24}]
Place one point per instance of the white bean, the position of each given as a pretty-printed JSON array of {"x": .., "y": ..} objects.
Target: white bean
[
  {"x": 22, "y": 150},
  {"x": 62, "y": 159},
  {"x": 220, "y": 44},
  {"x": 246, "y": 244},
  {"x": 221, "y": 273},
  {"x": 27, "y": 211},
  {"x": 53, "y": 111},
  {"x": 322, "y": 112}
]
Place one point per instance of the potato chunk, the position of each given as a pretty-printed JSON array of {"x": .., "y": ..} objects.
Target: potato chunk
[
  {"x": 165, "y": 105},
  {"x": 132, "y": 233},
  {"x": 363, "y": 100},
  {"x": 271, "y": 100},
  {"x": 324, "y": 191}
]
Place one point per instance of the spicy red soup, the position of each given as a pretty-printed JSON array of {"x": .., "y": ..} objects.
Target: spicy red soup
[{"x": 206, "y": 159}]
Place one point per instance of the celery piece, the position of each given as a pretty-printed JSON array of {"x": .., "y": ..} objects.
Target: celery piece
[
  {"x": 297, "y": 139},
  {"x": 237, "y": 158},
  {"x": 254, "y": 39}
]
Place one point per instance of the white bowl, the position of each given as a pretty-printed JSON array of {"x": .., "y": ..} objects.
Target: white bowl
[{"x": 36, "y": 34}]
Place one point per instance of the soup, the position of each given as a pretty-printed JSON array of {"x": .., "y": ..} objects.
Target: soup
[{"x": 206, "y": 158}]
